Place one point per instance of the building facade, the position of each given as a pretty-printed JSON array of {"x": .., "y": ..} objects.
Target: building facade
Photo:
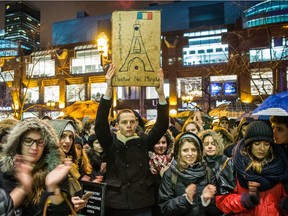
[
  {"x": 22, "y": 24},
  {"x": 209, "y": 57}
]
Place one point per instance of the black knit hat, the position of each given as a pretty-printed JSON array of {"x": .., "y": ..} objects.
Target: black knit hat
[
  {"x": 258, "y": 131},
  {"x": 78, "y": 140},
  {"x": 91, "y": 139}
]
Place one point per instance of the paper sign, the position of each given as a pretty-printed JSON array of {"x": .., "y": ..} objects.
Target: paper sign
[
  {"x": 95, "y": 205},
  {"x": 136, "y": 47}
]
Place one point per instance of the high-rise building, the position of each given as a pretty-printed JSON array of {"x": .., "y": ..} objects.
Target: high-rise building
[{"x": 22, "y": 24}]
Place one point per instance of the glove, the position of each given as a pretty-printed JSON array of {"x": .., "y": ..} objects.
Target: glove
[
  {"x": 250, "y": 201},
  {"x": 283, "y": 205}
]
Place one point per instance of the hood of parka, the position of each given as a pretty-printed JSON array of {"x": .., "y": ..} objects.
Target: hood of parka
[{"x": 52, "y": 154}]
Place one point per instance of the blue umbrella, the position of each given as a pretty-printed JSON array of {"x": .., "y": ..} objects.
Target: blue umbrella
[{"x": 276, "y": 105}]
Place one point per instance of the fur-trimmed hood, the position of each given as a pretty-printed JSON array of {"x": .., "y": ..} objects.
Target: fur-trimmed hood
[
  {"x": 52, "y": 153},
  {"x": 225, "y": 133},
  {"x": 6, "y": 125}
]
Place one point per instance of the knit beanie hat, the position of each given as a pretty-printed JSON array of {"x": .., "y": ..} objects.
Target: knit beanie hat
[
  {"x": 258, "y": 131},
  {"x": 78, "y": 140},
  {"x": 222, "y": 118},
  {"x": 61, "y": 125},
  {"x": 91, "y": 139}
]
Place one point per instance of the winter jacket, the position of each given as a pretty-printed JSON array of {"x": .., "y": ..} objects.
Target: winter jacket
[
  {"x": 222, "y": 166},
  {"x": 51, "y": 157},
  {"x": 6, "y": 204},
  {"x": 271, "y": 190},
  {"x": 128, "y": 178},
  {"x": 268, "y": 205},
  {"x": 172, "y": 188}
]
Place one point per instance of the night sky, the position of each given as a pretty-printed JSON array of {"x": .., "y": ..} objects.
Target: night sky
[{"x": 55, "y": 11}]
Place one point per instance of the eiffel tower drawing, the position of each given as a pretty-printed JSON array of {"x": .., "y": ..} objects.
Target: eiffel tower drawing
[{"x": 137, "y": 57}]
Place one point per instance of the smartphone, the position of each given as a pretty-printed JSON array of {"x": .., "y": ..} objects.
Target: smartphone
[{"x": 87, "y": 195}]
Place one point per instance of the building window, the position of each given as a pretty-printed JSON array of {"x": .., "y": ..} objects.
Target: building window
[
  {"x": 86, "y": 61},
  {"x": 261, "y": 81},
  {"x": 128, "y": 93},
  {"x": 75, "y": 92},
  {"x": 41, "y": 66},
  {"x": 189, "y": 86},
  {"x": 152, "y": 94},
  {"x": 97, "y": 90},
  {"x": 7, "y": 76},
  {"x": 51, "y": 93},
  {"x": 32, "y": 95},
  {"x": 278, "y": 51},
  {"x": 202, "y": 46}
]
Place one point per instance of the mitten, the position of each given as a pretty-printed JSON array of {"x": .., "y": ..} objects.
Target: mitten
[
  {"x": 283, "y": 205},
  {"x": 250, "y": 201}
]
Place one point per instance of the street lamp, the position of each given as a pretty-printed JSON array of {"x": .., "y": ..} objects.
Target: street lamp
[
  {"x": 187, "y": 99},
  {"x": 102, "y": 43},
  {"x": 51, "y": 104}
]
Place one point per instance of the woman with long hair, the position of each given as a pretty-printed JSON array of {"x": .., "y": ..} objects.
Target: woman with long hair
[
  {"x": 187, "y": 186},
  {"x": 261, "y": 171}
]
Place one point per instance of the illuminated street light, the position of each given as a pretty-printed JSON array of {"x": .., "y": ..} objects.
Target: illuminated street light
[
  {"x": 102, "y": 43},
  {"x": 51, "y": 104}
]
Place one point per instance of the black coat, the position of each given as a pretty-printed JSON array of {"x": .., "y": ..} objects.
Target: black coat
[
  {"x": 6, "y": 204},
  {"x": 128, "y": 178},
  {"x": 171, "y": 199}
]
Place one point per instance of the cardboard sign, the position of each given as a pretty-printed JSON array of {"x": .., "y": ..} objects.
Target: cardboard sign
[
  {"x": 95, "y": 205},
  {"x": 136, "y": 37}
]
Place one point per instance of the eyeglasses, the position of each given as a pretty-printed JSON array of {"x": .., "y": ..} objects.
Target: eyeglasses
[{"x": 30, "y": 142}]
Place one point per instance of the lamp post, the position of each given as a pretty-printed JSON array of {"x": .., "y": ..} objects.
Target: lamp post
[
  {"x": 103, "y": 48},
  {"x": 102, "y": 43},
  {"x": 51, "y": 105},
  {"x": 187, "y": 99}
]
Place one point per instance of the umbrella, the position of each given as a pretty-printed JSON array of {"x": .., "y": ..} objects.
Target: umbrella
[
  {"x": 276, "y": 104},
  {"x": 82, "y": 109},
  {"x": 233, "y": 109},
  {"x": 256, "y": 117}
]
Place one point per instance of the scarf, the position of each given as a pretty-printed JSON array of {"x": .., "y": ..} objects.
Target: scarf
[
  {"x": 193, "y": 174},
  {"x": 125, "y": 139},
  {"x": 157, "y": 162},
  {"x": 272, "y": 173}
]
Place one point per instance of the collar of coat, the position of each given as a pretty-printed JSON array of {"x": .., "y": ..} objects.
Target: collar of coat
[{"x": 125, "y": 139}]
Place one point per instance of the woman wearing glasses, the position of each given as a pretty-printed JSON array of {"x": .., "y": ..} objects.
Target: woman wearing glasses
[{"x": 37, "y": 144}]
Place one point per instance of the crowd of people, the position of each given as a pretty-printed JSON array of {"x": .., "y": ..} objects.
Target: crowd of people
[{"x": 150, "y": 169}]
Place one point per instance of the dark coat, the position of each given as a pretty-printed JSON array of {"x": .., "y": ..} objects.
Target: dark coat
[
  {"x": 171, "y": 199},
  {"x": 6, "y": 204},
  {"x": 128, "y": 178},
  {"x": 51, "y": 157}
]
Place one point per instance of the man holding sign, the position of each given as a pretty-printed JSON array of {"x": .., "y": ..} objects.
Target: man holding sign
[{"x": 129, "y": 184}]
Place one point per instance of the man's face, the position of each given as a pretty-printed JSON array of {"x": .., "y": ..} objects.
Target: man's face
[
  {"x": 127, "y": 124},
  {"x": 280, "y": 133}
]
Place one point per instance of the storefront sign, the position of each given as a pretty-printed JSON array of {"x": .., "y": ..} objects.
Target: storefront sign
[{"x": 5, "y": 108}]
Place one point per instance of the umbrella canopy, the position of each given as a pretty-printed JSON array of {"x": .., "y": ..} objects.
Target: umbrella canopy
[
  {"x": 256, "y": 117},
  {"x": 233, "y": 109},
  {"x": 276, "y": 105},
  {"x": 82, "y": 109}
]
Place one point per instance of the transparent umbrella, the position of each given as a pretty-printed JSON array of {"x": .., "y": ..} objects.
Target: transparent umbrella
[
  {"x": 233, "y": 109},
  {"x": 82, "y": 109}
]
